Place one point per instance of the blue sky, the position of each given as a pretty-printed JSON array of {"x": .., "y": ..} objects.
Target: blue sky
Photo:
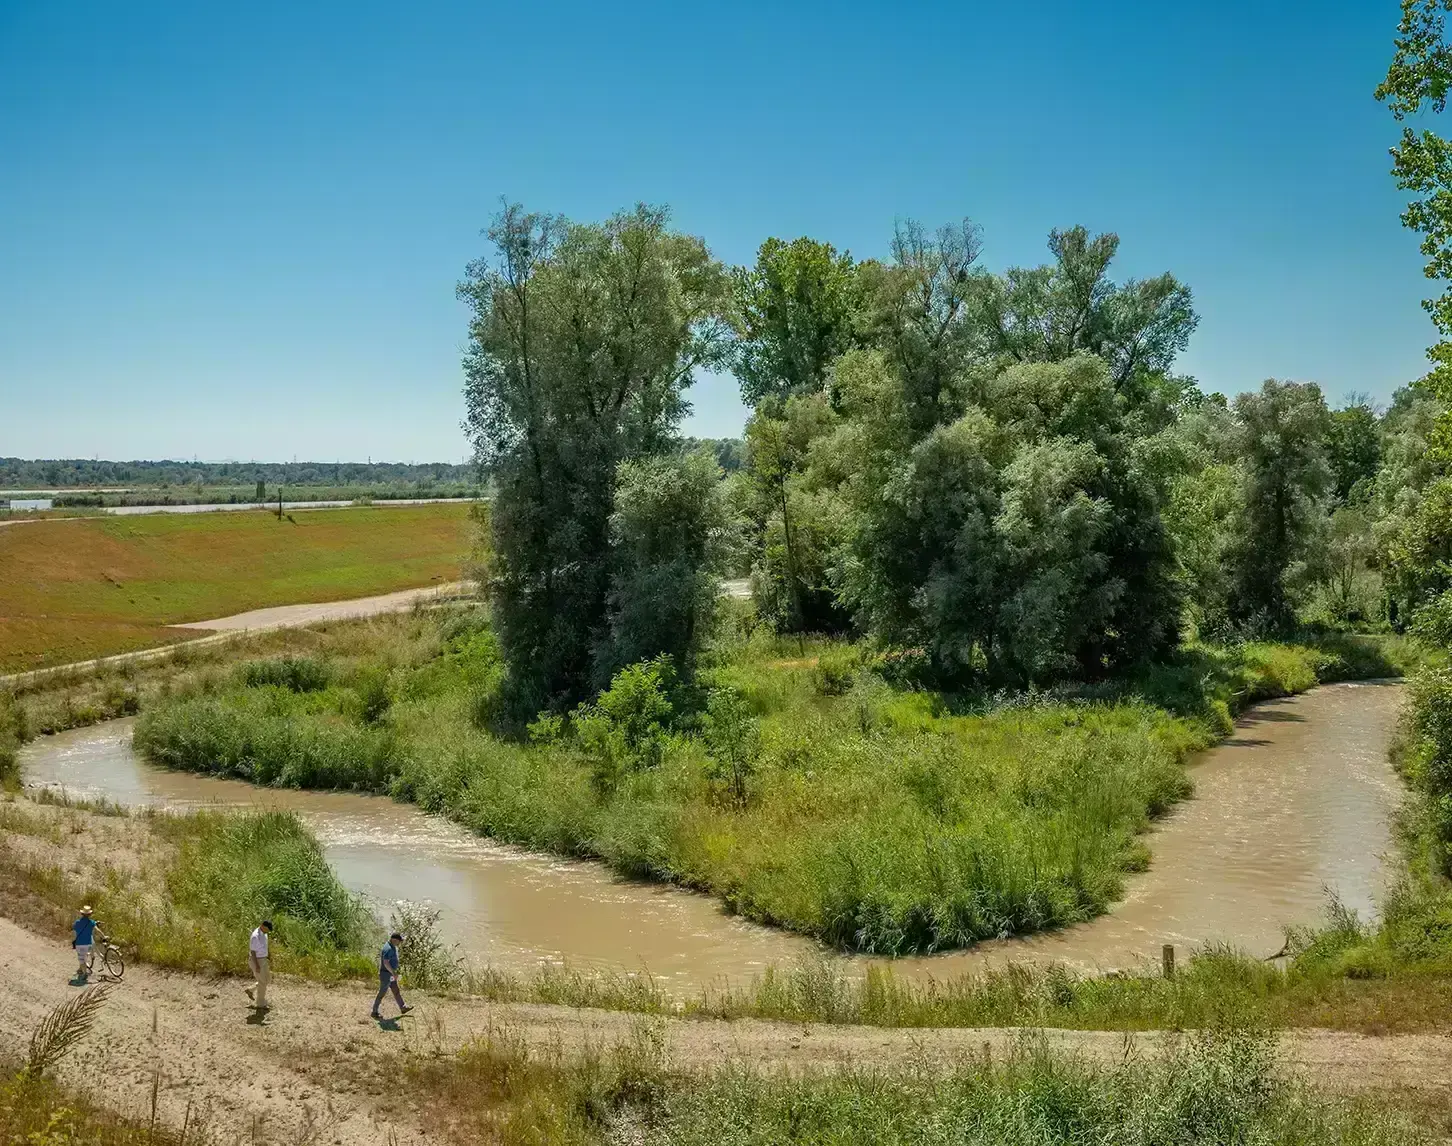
[{"x": 234, "y": 231}]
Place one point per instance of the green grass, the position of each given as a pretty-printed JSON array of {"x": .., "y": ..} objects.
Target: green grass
[
  {"x": 877, "y": 817},
  {"x": 85, "y": 588},
  {"x": 1221, "y": 1087},
  {"x": 40, "y": 1112},
  {"x": 218, "y": 875}
]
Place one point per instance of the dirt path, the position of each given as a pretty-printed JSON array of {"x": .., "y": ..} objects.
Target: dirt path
[
  {"x": 292, "y": 616},
  {"x": 290, "y": 1075},
  {"x": 254, "y": 621}
]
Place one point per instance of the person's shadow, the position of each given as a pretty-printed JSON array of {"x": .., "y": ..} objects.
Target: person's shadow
[
  {"x": 256, "y": 1017},
  {"x": 79, "y": 980},
  {"x": 388, "y": 1025}
]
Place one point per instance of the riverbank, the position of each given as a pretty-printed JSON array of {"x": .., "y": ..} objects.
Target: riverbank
[
  {"x": 460, "y": 1064},
  {"x": 852, "y": 809},
  {"x": 181, "y": 890},
  {"x": 90, "y": 854}
]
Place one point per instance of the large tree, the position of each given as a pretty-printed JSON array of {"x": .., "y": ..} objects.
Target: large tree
[
  {"x": 1353, "y": 447},
  {"x": 795, "y": 311},
  {"x": 582, "y": 341},
  {"x": 1282, "y": 432},
  {"x": 1022, "y": 538},
  {"x": 1071, "y": 306},
  {"x": 1416, "y": 84}
]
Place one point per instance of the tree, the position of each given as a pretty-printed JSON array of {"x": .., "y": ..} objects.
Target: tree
[
  {"x": 669, "y": 534},
  {"x": 733, "y": 734},
  {"x": 1070, "y": 306},
  {"x": 582, "y": 341},
  {"x": 916, "y": 315},
  {"x": 796, "y": 528},
  {"x": 1353, "y": 447},
  {"x": 1417, "y": 82},
  {"x": 1282, "y": 431},
  {"x": 1022, "y": 538},
  {"x": 795, "y": 312}
]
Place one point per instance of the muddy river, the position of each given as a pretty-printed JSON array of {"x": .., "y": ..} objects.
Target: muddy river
[{"x": 1297, "y": 804}]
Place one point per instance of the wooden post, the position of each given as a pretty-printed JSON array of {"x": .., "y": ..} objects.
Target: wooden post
[{"x": 1167, "y": 958}]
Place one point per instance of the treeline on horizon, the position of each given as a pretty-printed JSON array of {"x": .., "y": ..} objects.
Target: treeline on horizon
[
  {"x": 1001, "y": 476},
  {"x": 70, "y": 473},
  {"x": 67, "y": 473}
]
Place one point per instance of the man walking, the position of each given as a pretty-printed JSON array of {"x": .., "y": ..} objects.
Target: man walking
[
  {"x": 258, "y": 950},
  {"x": 85, "y": 932},
  {"x": 388, "y": 976}
]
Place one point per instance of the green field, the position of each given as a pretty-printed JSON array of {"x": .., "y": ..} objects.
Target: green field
[{"x": 88, "y": 587}]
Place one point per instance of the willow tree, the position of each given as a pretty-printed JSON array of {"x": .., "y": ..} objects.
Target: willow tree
[{"x": 582, "y": 341}]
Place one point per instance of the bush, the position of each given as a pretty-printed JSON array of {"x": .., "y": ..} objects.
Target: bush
[
  {"x": 296, "y": 674},
  {"x": 237, "y": 869},
  {"x": 13, "y": 729},
  {"x": 627, "y": 727},
  {"x": 836, "y": 669}
]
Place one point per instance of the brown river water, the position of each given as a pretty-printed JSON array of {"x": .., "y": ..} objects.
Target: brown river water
[{"x": 1295, "y": 806}]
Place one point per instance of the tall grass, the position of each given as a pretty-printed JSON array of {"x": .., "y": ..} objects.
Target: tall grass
[
  {"x": 233, "y": 870},
  {"x": 40, "y": 1112},
  {"x": 13, "y": 729},
  {"x": 877, "y": 817},
  {"x": 221, "y": 873},
  {"x": 1221, "y": 1087}
]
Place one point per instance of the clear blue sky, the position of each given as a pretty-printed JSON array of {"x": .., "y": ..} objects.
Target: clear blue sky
[{"x": 233, "y": 231}]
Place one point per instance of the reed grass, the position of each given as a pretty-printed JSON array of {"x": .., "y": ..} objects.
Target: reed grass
[
  {"x": 41, "y": 1112},
  {"x": 218, "y": 875},
  {"x": 1225, "y": 1086},
  {"x": 878, "y": 817}
]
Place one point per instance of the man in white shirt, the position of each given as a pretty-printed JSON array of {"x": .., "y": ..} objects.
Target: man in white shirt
[{"x": 257, "y": 953}]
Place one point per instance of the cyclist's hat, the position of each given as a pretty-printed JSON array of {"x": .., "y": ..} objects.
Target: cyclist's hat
[{"x": 86, "y": 910}]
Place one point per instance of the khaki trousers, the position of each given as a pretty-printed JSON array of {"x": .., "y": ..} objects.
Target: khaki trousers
[{"x": 261, "y": 973}]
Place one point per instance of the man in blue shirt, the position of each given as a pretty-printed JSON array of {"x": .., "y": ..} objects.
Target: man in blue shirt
[
  {"x": 85, "y": 930},
  {"x": 388, "y": 976}
]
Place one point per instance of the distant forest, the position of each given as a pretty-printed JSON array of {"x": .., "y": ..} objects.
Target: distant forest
[
  {"x": 72, "y": 473},
  {"x": 66, "y": 473}
]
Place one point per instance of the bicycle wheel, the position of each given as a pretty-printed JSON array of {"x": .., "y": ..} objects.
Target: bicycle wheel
[{"x": 112, "y": 962}]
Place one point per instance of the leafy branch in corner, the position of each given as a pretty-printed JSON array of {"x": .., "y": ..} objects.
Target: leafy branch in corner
[{"x": 63, "y": 1030}]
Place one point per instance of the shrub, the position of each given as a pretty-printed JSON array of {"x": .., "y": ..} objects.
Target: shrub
[
  {"x": 296, "y": 674},
  {"x": 627, "y": 727},
  {"x": 13, "y": 729},
  {"x": 237, "y": 869},
  {"x": 836, "y": 669},
  {"x": 733, "y": 737}
]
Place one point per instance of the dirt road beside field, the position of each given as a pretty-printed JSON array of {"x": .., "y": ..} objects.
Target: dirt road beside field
[{"x": 291, "y": 1076}]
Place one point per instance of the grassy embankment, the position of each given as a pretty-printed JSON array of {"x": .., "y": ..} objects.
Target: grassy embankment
[
  {"x": 1216, "y": 1088},
  {"x": 182, "y": 890},
  {"x": 876, "y": 817},
  {"x": 39, "y": 1112},
  {"x": 74, "y": 590}
]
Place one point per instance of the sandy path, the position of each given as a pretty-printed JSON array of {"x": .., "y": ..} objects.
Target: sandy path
[
  {"x": 292, "y": 616},
  {"x": 293, "y": 1072},
  {"x": 258, "y": 620}
]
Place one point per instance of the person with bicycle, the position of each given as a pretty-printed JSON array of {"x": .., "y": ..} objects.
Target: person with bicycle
[{"x": 85, "y": 928}]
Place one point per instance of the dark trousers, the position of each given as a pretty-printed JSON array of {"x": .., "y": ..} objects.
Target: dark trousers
[{"x": 386, "y": 981}]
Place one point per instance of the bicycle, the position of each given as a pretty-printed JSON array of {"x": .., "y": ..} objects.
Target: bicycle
[{"x": 113, "y": 966}]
